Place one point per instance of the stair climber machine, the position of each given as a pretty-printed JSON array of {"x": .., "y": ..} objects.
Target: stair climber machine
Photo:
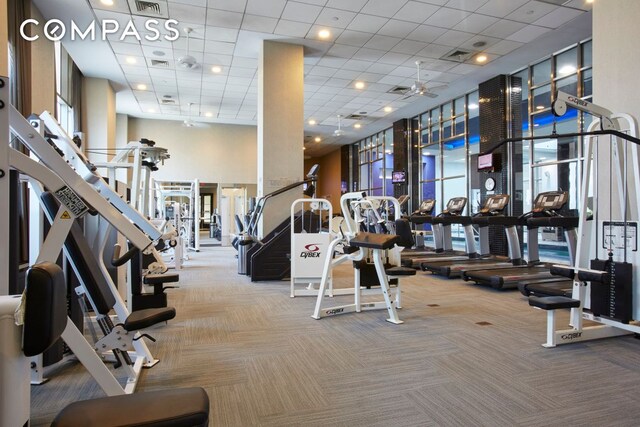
[
  {"x": 267, "y": 258},
  {"x": 442, "y": 236},
  {"x": 375, "y": 255},
  {"x": 490, "y": 214},
  {"x": 605, "y": 289},
  {"x": 547, "y": 204}
]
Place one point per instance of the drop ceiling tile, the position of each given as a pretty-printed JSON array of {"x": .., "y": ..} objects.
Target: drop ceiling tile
[
  {"x": 500, "y": 8},
  {"x": 367, "y": 23},
  {"x": 354, "y": 38},
  {"x": 447, "y": 18},
  {"x": 382, "y": 42},
  {"x": 170, "y": 75},
  {"x": 161, "y": 43},
  {"x": 580, "y": 4},
  {"x": 221, "y": 18},
  {"x": 380, "y": 68},
  {"x": 133, "y": 70},
  {"x": 531, "y": 11},
  {"x": 488, "y": 42},
  {"x": 328, "y": 18},
  {"x": 347, "y": 74},
  {"x": 195, "y": 45},
  {"x": 396, "y": 28},
  {"x": 322, "y": 71},
  {"x": 221, "y": 34},
  {"x": 222, "y": 48},
  {"x": 503, "y": 47},
  {"x": 370, "y": 77},
  {"x": 260, "y": 24},
  {"x": 439, "y": 65},
  {"x": 475, "y": 23},
  {"x": 379, "y": 87},
  {"x": 394, "y": 58},
  {"x": 409, "y": 47},
  {"x": 292, "y": 28},
  {"x": 465, "y": 69},
  {"x": 415, "y": 11},
  {"x": 127, "y": 48},
  {"x": 453, "y": 38},
  {"x": 426, "y": 33},
  {"x": 338, "y": 82},
  {"x": 185, "y": 82},
  {"x": 217, "y": 59},
  {"x": 332, "y": 62},
  {"x": 357, "y": 65},
  {"x": 558, "y": 17},
  {"x": 352, "y": 5},
  {"x": 270, "y": 8},
  {"x": 243, "y": 72},
  {"x": 503, "y": 28},
  {"x": 184, "y": 13},
  {"x": 383, "y": 7},
  {"x": 392, "y": 80},
  {"x": 528, "y": 34},
  {"x": 311, "y": 88},
  {"x": 332, "y": 90},
  {"x": 230, "y": 5},
  {"x": 369, "y": 54},
  {"x": 239, "y": 81},
  {"x": 342, "y": 51},
  {"x": 403, "y": 71},
  {"x": 468, "y": 5},
  {"x": 300, "y": 12}
]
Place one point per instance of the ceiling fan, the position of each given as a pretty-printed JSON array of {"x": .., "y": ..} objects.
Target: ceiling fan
[
  {"x": 188, "y": 61},
  {"x": 339, "y": 131},
  {"x": 420, "y": 88}
]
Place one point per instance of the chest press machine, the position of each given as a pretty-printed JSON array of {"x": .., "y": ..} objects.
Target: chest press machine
[
  {"x": 359, "y": 245},
  {"x": 57, "y": 163}
]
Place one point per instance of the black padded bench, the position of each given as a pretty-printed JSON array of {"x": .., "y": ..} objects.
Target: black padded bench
[
  {"x": 45, "y": 318},
  {"x": 551, "y": 304},
  {"x": 374, "y": 240}
]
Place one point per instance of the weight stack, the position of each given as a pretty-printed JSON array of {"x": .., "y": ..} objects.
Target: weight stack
[{"x": 613, "y": 300}]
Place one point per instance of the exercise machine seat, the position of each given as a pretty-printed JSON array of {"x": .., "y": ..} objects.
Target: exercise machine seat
[
  {"x": 45, "y": 314},
  {"x": 160, "y": 279},
  {"x": 147, "y": 317},
  {"x": 553, "y": 302},
  {"x": 374, "y": 240},
  {"x": 187, "y": 407},
  {"x": 403, "y": 230},
  {"x": 400, "y": 271}
]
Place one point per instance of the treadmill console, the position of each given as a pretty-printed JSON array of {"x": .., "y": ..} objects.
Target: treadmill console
[
  {"x": 455, "y": 206},
  {"x": 426, "y": 207},
  {"x": 495, "y": 204},
  {"x": 550, "y": 201}
]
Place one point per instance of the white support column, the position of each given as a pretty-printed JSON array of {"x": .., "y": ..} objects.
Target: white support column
[
  {"x": 5, "y": 209},
  {"x": 280, "y": 127}
]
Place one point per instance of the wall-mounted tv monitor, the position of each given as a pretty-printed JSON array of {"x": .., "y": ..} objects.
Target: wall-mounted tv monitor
[
  {"x": 398, "y": 177},
  {"x": 489, "y": 162}
]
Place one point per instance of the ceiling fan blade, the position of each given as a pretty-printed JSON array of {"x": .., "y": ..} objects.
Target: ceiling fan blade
[
  {"x": 430, "y": 94},
  {"x": 406, "y": 97},
  {"x": 439, "y": 87}
]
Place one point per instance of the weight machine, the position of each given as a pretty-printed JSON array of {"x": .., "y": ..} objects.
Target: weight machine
[{"x": 187, "y": 194}]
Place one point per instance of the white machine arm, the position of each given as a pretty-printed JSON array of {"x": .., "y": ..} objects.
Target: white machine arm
[{"x": 564, "y": 100}]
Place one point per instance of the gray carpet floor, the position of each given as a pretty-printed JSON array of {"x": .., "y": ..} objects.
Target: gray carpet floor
[{"x": 465, "y": 356}]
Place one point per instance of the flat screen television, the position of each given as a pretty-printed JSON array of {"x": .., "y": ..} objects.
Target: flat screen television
[
  {"x": 398, "y": 177},
  {"x": 489, "y": 162}
]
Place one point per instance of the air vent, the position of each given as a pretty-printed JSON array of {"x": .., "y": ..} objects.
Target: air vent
[
  {"x": 399, "y": 90},
  {"x": 355, "y": 116},
  {"x": 155, "y": 9},
  {"x": 457, "y": 55},
  {"x": 148, "y": 7},
  {"x": 158, "y": 63},
  {"x": 168, "y": 101}
]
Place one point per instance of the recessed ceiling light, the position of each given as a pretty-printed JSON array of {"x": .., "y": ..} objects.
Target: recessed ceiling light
[
  {"x": 317, "y": 139},
  {"x": 388, "y": 109},
  {"x": 357, "y": 126},
  {"x": 141, "y": 87},
  {"x": 151, "y": 110},
  {"x": 107, "y": 2},
  {"x": 539, "y": 107},
  {"x": 216, "y": 69},
  {"x": 208, "y": 114},
  {"x": 312, "y": 122},
  {"x": 304, "y": 148},
  {"x": 324, "y": 34},
  {"x": 131, "y": 60},
  {"x": 359, "y": 85},
  {"x": 481, "y": 58},
  {"x": 589, "y": 1}
]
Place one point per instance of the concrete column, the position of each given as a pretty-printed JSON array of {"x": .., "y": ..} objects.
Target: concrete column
[
  {"x": 4, "y": 146},
  {"x": 99, "y": 117},
  {"x": 43, "y": 71},
  {"x": 280, "y": 127}
]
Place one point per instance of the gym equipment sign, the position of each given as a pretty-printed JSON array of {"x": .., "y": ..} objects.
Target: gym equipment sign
[{"x": 55, "y": 30}]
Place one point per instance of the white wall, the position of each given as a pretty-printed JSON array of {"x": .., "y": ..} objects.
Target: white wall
[{"x": 209, "y": 152}]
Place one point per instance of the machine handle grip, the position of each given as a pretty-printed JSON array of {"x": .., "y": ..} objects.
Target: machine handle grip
[{"x": 117, "y": 261}]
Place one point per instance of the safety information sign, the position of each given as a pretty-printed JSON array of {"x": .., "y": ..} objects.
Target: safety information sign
[
  {"x": 614, "y": 236},
  {"x": 71, "y": 201}
]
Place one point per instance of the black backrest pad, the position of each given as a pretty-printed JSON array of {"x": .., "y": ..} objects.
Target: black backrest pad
[
  {"x": 45, "y": 314},
  {"x": 85, "y": 262},
  {"x": 403, "y": 229}
]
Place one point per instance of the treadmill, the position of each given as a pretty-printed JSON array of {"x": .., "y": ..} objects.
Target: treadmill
[
  {"x": 490, "y": 214},
  {"x": 545, "y": 206},
  {"x": 442, "y": 237}
]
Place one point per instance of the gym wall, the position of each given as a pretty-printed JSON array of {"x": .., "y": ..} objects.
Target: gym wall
[
  {"x": 329, "y": 177},
  {"x": 208, "y": 152}
]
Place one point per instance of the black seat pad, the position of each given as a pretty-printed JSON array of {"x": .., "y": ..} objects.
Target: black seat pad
[
  {"x": 374, "y": 240},
  {"x": 148, "y": 317},
  {"x": 186, "y": 407},
  {"x": 553, "y": 302},
  {"x": 159, "y": 279},
  {"x": 400, "y": 271}
]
